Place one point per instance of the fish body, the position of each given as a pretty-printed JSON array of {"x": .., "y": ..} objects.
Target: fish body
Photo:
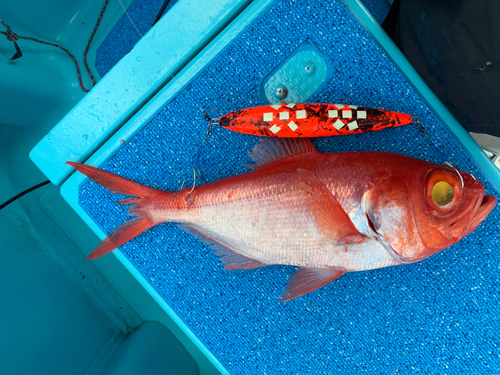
[
  {"x": 325, "y": 213},
  {"x": 282, "y": 216},
  {"x": 311, "y": 120}
]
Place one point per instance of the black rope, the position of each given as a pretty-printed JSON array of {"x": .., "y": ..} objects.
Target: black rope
[
  {"x": 90, "y": 41},
  {"x": 160, "y": 13},
  {"x": 5, "y": 204},
  {"x": 11, "y": 36}
]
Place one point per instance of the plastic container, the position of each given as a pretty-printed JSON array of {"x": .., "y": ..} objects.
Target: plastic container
[{"x": 108, "y": 126}]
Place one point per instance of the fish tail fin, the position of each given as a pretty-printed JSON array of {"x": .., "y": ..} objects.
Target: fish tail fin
[
  {"x": 124, "y": 233},
  {"x": 112, "y": 182},
  {"x": 141, "y": 207}
]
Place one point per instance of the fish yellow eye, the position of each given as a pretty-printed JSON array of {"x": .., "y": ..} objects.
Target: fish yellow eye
[{"x": 442, "y": 193}]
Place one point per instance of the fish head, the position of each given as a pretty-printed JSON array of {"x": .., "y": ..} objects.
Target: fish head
[{"x": 425, "y": 209}]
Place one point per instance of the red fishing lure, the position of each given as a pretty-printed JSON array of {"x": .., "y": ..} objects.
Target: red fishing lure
[{"x": 311, "y": 120}]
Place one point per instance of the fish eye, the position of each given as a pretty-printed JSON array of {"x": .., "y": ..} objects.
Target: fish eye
[{"x": 442, "y": 193}]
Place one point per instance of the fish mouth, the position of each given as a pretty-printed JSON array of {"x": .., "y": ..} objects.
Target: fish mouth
[
  {"x": 460, "y": 228},
  {"x": 488, "y": 203},
  {"x": 468, "y": 218}
]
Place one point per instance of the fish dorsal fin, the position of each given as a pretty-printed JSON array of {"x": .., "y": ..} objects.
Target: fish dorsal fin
[
  {"x": 271, "y": 149},
  {"x": 307, "y": 279},
  {"x": 229, "y": 257}
]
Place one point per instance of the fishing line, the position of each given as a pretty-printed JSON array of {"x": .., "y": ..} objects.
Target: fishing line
[
  {"x": 141, "y": 35},
  {"x": 132, "y": 22},
  {"x": 6, "y": 203},
  {"x": 443, "y": 158},
  {"x": 211, "y": 124}
]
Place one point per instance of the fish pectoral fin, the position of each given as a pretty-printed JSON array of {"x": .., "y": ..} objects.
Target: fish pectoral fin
[
  {"x": 331, "y": 219},
  {"x": 353, "y": 239},
  {"x": 307, "y": 279},
  {"x": 231, "y": 259}
]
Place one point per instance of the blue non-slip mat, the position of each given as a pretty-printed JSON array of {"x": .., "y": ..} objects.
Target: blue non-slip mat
[
  {"x": 135, "y": 22},
  {"x": 439, "y": 316},
  {"x": 139, "y": 17}
]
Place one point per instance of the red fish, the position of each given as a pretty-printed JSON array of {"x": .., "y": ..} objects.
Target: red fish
[
  {"x": 326, "y": 213},
  {"x": 311, "y": 120}
]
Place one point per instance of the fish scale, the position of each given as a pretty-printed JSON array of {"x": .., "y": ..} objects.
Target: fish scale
[{"x": 269, "y": 236}]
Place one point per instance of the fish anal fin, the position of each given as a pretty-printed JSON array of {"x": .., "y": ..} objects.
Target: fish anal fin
[
  {"x": 307, "y": 279},
  {"x": 231, "y": 259},
  {"x": 272, "y": 149}
]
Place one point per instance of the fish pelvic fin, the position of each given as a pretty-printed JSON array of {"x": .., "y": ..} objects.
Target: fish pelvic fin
[
  {"x": 230, "y": 258},
  {"x": 140, "y": 207},
  {"x": 307, "y": 279},
  {"x": 271, "y": 149}
]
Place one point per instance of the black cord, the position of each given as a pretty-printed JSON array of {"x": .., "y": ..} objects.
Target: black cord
[
  {"x": 160, "y": 13},
  {"x": 5, "y": 204}
]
